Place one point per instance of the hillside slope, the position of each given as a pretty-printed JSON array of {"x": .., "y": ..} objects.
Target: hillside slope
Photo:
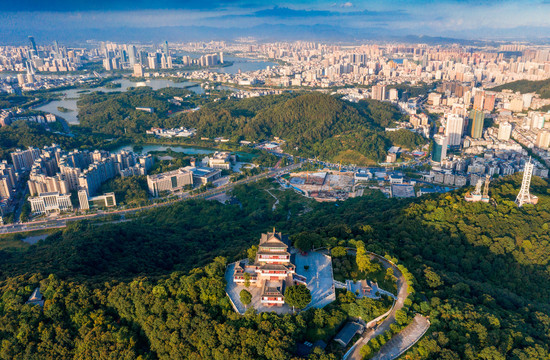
[
  {"x": 541, "y": 87},
  {"x": 481, "y": 272},
  {"x": 313, "y": 124}
]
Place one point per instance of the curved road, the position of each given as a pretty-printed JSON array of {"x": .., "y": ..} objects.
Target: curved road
[{"x": 390, "y": 319}]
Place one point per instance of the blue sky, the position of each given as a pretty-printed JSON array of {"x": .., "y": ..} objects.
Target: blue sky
[{"x": 452, "y": 18}]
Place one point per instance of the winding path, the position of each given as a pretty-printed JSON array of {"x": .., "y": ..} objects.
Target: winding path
[
  {"x": 369, "y": 334},
  {"x": 403, "y": 341}
]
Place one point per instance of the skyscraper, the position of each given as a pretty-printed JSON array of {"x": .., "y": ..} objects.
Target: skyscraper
[
  {"x": 34, "y": 50},
  {"x": 152, "y": 60},
  {"x": 132, "y": 55},
  {"x": 454, "y": 129},
  {"x": 57, "y": 54},
  {"x": 489, "y": 102},
  {"x": 479, "y": 99},
  {"x": 439, "y": 148},
  {"x": 166, "y": 48},
  {"x": 475, "y": 126}
]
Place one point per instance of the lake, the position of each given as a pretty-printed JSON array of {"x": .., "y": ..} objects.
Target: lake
[
  {"x": 189, "y": 150},
  {"x": 244, "y": 65},
  {"x": 72, "y": 95}
]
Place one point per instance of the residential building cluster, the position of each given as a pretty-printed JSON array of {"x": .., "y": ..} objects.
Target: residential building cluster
[
  {"x": 45, "y": 58},
  {"x": 54, "y": 173},
  {"x": 9, "y": 116}
]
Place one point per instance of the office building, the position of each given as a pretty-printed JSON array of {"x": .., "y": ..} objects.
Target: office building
[
  {"x": 454, "y": 129},
  {"x": 50, "y": 202},
  {"x": 132, "y": 55},
  {"x": 204, "y": 175},
  {"x": 439, "y": 152},
  {"x": 34, "y": 50},
  {"x": 220, "y": 160},
  {"x": 475, "y": 126},
  {"x": 105, "y": 200},
  {"x": 169, "y": 181}
]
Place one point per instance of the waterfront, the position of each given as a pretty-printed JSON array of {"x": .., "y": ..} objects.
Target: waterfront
[
  {"x": 146, "y": 149},
  {"x": 244, "y": 65},
  {"x": 71, "y": 96}
]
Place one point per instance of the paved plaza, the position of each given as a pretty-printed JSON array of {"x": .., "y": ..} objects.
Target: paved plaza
[{"x": 319, "y": 282}]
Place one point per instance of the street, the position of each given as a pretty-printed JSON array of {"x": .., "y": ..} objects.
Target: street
[{"x": 62, "y": 222}]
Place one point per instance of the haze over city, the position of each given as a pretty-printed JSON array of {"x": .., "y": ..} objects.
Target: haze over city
[
  {"x": 275, "y": 20},
  {"x": 275, "y": 180}
]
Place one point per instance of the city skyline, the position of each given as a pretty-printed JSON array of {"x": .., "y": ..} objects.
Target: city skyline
[{"x": 223, "y": 19}]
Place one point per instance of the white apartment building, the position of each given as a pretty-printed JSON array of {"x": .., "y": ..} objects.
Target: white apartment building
[
  {"x": 169, "y": 181},
  {"x": 454, "y": 129}
]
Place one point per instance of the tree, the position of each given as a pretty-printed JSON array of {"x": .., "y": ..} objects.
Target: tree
[
  {"x": 432, "y": 279},
  {"x": 251, "y": 253},
  {"x": 25, "y": 211},
  {"x": 362, "y": 259},
  {"x": 246, "y": 279},
  {"x": 303, "y": 242},
  {"x": 246, "y": 297},
  {"x": 338, "y": 251},
  {"x": 297, "y": 296}
]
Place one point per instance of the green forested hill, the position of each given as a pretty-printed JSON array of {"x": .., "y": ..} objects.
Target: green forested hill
[
  {"x": 481, "y": 273},
  {"x": 541, "y": 87},
  {"x": 313, "y": 124}
]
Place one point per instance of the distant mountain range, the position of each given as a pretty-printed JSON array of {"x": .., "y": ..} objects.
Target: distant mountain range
[{"x": 265, "y": 32}]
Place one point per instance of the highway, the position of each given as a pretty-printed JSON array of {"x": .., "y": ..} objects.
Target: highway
[{"x": 61, "y": 222}]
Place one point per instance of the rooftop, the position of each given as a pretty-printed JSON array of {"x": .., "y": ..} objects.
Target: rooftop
[
  {"x": 180, "y": 171},
  {"x": 347, "y": 333}
]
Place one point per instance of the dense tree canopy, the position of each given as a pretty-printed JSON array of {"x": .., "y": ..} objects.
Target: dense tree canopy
[
  {"x": 312, "y": 124},
  {"x": 541, "y": 87},
  {"x": 297, "y": 296},
  {"x": 481, "y": 272}
]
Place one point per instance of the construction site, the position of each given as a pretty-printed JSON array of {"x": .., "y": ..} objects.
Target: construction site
[{"x": 324, "y": 186}]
